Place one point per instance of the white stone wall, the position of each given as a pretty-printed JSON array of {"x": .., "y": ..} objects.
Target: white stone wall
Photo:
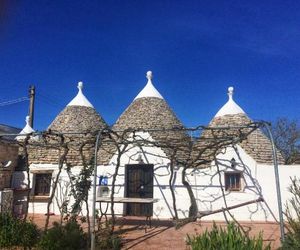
[{"x": 259, "y": 181}]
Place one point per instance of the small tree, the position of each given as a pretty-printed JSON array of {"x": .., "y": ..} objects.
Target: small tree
[
  {"x": 292, "y": 238},
  {"x": 287, "y": 139}
]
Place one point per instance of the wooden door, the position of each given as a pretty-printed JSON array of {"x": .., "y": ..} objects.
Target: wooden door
[{"x": 139, "y": 184}]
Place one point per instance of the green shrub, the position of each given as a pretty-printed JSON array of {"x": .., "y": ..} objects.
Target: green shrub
[
  {"x": 16, "y": 232},
  {"x": 292, "y": 238},
  {"x": 107, "y": 240},
  {"x": 230, "y": 238},
  {"x": 8, "y": 230},
  {"x": 68, "y": 237},
  {"x": 29, "y": 234}
]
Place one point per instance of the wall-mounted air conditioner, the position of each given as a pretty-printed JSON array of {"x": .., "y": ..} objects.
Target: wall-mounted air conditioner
[{"x": 103, "y": 191}]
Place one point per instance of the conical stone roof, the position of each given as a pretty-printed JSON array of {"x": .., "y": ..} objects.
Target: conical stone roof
[
  {"x": 149, "y": 111},
  {"x": 79, "y": 116},
  {"x": 257, "y": 145}
]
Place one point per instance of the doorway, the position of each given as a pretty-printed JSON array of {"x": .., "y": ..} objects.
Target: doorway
[{"x": 139, "y": 184}]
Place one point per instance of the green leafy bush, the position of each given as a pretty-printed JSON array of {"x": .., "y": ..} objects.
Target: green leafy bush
[
  {"x": 292, "y": 238},
  {"x": 230, "y": 238},
  {"x": 68, "y": 237},
  {"x": 107, "y": 240},
  {"x": 29, "y": 234},
  {"x": 16, "y": 232}
]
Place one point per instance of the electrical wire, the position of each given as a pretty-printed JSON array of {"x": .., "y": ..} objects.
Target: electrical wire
[
  {"x": 49, "y": 99},
  {"x": 46, "y": 100},
  {"x": 10, "y": 102}
]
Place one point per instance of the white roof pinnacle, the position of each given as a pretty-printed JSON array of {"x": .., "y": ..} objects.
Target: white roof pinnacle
[
  {"x": 230, "y": 108},
  {"x": 149, "y": 90},
  {"x": 26, "y": 130},
  {"x": 80, "y": 99}
]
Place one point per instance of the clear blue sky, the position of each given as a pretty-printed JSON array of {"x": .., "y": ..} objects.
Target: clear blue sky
[{"x": 196, "y": 49}]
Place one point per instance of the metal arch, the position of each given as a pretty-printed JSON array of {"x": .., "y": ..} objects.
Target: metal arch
[
  {"x": 279, "y": 203},
  {"x": 93, "y": 236}
]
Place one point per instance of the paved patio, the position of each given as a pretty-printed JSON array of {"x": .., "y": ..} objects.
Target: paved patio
[{"x": 162, "y": 235}]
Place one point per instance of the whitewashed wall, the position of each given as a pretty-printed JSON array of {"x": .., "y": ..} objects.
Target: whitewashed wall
[{"x": 259, "y": 181}]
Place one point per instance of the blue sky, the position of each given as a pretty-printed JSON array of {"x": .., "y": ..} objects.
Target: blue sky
[{"x": 196, "y": 50}]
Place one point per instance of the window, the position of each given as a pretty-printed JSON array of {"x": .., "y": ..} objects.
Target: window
[
  {"x": 42, "y": 184},
  {"x": 233, "y": 181}
]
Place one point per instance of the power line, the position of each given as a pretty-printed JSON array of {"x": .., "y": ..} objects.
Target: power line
[
  {"x": 48, "y": 100},
  {"x": 6, "y": 103}
]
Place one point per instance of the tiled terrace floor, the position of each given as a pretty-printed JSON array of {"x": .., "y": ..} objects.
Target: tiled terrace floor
[{"x": 162, "y": 235}]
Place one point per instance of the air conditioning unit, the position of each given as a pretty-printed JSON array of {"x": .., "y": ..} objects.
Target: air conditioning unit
[
  {"x": 103, "y": 191},
  {"x": 6, "y": 201}
]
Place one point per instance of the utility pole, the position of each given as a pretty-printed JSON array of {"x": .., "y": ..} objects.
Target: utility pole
[{"x": 31, "y": 104}]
